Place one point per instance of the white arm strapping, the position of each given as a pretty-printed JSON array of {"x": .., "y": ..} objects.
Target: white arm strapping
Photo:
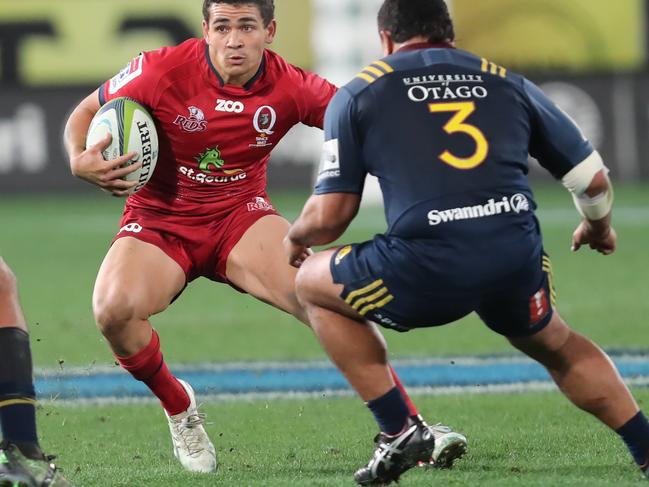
[{"x": 577, "y": 181}]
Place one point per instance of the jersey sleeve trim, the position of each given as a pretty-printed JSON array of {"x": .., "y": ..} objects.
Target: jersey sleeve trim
[{"x": 375, "y": 71}]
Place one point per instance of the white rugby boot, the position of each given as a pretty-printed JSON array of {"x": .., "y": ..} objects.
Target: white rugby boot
[
  {"x": 191, "y": 444},
  {"x": 449, "y": 446}
]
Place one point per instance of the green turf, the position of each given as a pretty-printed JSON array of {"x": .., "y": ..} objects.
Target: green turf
[
  {"x": 56, "y": 244},
  {"x": 535, "y": 439}
]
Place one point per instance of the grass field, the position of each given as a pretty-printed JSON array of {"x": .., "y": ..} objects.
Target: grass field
[
  {"x": 515, "y": 440},
  {"x": 56, "y": 244}
]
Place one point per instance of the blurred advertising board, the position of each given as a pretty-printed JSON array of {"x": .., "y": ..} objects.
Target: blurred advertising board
[
  {"x": 537, "y": 35},
  {"x": 83, "y": 42}
]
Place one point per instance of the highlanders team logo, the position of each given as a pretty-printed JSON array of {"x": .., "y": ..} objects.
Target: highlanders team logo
[
  {"x": 194, "y": 123},
  {"x": 263, "y": 122}
]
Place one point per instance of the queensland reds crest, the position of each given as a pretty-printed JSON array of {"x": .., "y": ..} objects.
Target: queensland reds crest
[
  {"x": 194, "y": 123},
  {"x": 263, "y": 122}
]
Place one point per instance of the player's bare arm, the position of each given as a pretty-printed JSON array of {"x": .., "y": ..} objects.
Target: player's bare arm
[
  {"x": 323, "y": 219},
  {"x": 89, "y": 164}
]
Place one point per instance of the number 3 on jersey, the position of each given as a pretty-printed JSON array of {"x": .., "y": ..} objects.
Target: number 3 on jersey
[{"x": 456, "y": 124}]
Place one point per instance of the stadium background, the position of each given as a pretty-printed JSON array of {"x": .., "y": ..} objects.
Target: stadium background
[{"x": 589, "y": 55}]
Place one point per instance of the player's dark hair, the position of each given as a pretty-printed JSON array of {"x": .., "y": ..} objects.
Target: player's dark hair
[
  {"x": 405, "y": 19},
  {"x": 266, "y": 8}
]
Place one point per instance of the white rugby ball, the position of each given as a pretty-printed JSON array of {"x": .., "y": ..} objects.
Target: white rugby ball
[{"x": 133, "y": 130}]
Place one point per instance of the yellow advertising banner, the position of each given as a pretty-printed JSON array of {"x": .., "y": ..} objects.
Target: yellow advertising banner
[
  {"x": 579, "y": 35},
  {"x": 87, "y": 41}
]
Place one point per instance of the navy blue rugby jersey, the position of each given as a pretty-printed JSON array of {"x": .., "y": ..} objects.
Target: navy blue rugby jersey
[{"x": 448, "y": 135}]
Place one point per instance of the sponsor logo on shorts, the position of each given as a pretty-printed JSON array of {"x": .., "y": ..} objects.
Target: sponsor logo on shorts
[
  {"x": 329, "y": 160},
  {"x": 387, "y": 321},
  {"x": 260, "y": 204},
  {"x": 126, "y": 75},
  {"x": 507, "y": 204},
  {"x": 263, "y": 122},
  {"x": 194, "y": 123},
  {"x": 342, "y": 253},
  {"x": 539, "y": 307},
  {"x": 131, "y": 227}
]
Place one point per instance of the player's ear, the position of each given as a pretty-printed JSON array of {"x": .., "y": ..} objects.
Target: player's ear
[
  {"x": 271, "y": 30},
  {"x": 205, "y": 29},
  {"x": 386, "y": 42}
]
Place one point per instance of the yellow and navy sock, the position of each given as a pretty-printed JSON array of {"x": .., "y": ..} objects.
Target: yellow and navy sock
[{"x": 17, "y": 395}]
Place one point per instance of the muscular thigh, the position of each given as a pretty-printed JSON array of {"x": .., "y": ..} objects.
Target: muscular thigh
[
  {"x": 138, "y": 274},
  {"x": 257, "y": 264}
]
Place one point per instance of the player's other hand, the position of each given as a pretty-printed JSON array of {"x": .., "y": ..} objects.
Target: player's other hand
[
  {"x": 91, "y": 166},
  {"x": 604, "y": 240},
  {"x": 296, "y": 253}
]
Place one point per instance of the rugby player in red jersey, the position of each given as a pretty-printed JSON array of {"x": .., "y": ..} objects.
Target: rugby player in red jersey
[{"x": 221, "y": 104}]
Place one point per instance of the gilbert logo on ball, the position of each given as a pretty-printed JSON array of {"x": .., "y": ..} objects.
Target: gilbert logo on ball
[{"x": 133, "y": 130}]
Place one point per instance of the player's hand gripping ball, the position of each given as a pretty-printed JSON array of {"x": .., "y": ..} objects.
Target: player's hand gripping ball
[{"x": 133, "y": 130}]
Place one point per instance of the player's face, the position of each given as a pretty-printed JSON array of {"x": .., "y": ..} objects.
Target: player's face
[{"x": 237, "y": 37}]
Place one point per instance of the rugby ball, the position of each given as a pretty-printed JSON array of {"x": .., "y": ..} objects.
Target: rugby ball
[{"x": 133, "y": 130}]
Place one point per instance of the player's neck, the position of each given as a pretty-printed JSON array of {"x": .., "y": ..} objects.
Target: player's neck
[{"x": 418, "y": 42}]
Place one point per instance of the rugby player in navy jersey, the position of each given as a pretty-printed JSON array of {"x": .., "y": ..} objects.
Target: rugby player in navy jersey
[
  {"x": 22, "y": 462},
  {"x": 448, "y": 135}
]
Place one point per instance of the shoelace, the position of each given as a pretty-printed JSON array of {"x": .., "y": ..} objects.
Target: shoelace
[
  {"x": 186, "y": 429},
  {"x": 440, "y": 428}
]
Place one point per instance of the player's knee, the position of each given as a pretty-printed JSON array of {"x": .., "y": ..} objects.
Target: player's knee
[
  {"x": 306, "y": 282},
  {"x": 8, "y": 282},
  {"x": 113, "y": 310}
]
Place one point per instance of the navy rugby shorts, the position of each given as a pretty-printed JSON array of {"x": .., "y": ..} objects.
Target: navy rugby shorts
[{"x": 405, "y": 284}]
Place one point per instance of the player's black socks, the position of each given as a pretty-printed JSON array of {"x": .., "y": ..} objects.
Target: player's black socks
[
  {"x": 390, "y": 411},
  {"x": 17, "y": 395},
  {"x": 635, "y": 434}
]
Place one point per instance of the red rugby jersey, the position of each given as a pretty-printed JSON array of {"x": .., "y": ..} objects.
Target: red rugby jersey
[{"x": 215, "y": 139}]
